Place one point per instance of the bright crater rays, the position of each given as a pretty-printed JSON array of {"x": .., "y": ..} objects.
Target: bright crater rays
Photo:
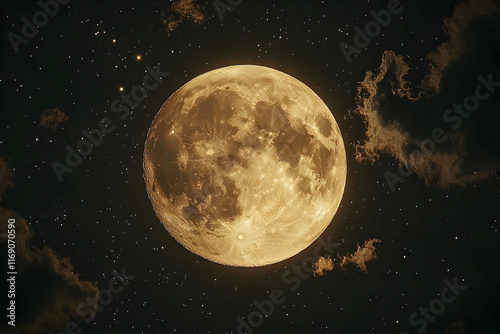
[{"x": 245, "y": 166}]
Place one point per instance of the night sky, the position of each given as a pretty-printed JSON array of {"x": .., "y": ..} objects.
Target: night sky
[{"x": 416, "y": 79}]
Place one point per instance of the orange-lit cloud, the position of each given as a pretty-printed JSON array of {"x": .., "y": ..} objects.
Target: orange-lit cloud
[
  {"x": 52, "y": 118},
  {"x": 55, "y": 296},
  {"x": 442, "y": 168},
  {"x": 180, "y": 12},
  {"x": 456, "y": 27},
  {"x": 322, "y": 265},
  {"x": 6, "y": 176},
  {"x": 457, "y": 327},
  {"x": 362, "y": 255}
]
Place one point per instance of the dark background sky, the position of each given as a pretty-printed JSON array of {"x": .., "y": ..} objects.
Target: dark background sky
[{"x": 101, "y": 218}]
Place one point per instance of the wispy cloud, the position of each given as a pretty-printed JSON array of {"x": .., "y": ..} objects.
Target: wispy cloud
[
  {"x": 6, "y": 176},
  {"x": 52, "y": 118},
  {"x": 456, "y": 27},
  {"x": 322, "y": 265},
  {"x": 180, "y": 12},
  {"x": 55, "y": 288},
  {"x": 457, "y": 327},
  {"x": 384, "y": 135},
  {"x": 362, "y": 255}
]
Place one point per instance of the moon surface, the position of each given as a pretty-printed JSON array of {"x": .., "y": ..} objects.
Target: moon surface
[{"x": 245, "y": 165}]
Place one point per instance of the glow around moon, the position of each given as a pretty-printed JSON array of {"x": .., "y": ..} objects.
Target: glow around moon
[{"x": 245, "y": 166}]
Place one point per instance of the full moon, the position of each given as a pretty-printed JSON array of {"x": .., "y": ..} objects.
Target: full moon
[{"x": 245, "y": 166}]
